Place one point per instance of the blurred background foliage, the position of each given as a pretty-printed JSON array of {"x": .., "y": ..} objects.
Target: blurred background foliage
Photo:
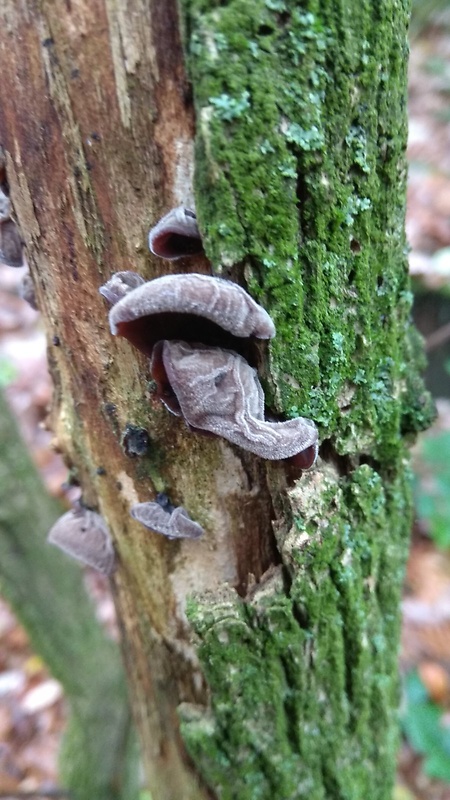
[{"x": 424, "y": 764}]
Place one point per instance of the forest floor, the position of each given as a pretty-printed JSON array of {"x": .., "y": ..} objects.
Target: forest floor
[{"x": 32, "y": 711}]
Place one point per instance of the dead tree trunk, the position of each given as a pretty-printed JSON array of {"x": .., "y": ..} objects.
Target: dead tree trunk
[{"x": 262, "y": 657}]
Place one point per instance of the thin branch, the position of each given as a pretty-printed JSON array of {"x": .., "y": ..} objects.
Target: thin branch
[
  {"x": 438, "y": 337},
  {"x": 52, "y": 793}
]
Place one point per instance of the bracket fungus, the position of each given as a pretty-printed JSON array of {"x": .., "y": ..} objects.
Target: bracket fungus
[
  {"x": 176, "y": 235},
  {"x": 83, "y": 534},
  {"x": 198, "y": 329},
  {"x": 162, "y": 517}
]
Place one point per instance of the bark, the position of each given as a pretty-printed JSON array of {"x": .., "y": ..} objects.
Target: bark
[
  {"x": 47, "y": 593},
  {"x": 262, "y": 657}
]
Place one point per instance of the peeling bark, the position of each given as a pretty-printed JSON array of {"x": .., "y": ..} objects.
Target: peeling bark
[{"x": 274, "y": 636}]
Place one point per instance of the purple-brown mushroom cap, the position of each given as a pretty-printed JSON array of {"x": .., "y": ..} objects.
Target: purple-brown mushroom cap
[
  {"x": 191, "y": 307},
  {"x": 176, "y": 235},
  {"x": 120, "y": 284},
  {"x": 83, "y": 534},
  {"x": 175, "y": 523},
  {"x": 219, "y": 392},
  {"x": 11, "y": 246}
]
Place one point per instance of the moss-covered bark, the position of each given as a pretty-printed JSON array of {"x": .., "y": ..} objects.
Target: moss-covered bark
[
  {"x": 305, "y": 181},
  {"x": 300, "y": 177},
  {"x": 273, "y": 638}
]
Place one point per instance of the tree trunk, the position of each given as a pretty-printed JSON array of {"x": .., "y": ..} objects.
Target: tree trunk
[{"x": 262, "y": 657}]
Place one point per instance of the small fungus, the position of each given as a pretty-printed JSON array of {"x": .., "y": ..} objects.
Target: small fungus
[
  {"x": 120, "y": 284},
  {"x": 219, "y": 392},
  {"x": 135, "y": 441},
  {"x": 162, "y": 517},
  {"x": 11, "y": 246},
  {"x": 191, "y": 307},
  {"x": 27, "y": 292},
  {"x": 176, "y": 235},
  {"x": 83, "y": 534},
  {"x": 5, "y": 206},
  {"x": 11, "y": 249}
]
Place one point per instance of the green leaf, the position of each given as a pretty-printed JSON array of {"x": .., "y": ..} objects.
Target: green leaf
[
  {"x": 7, "y": 372},
  {"x": 425, "y": 729},
  {"x": 432, "y": 485}
]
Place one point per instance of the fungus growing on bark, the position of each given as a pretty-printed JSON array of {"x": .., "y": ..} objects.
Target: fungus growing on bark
[
  {"x": 26, "y": 291},
  {"x": 196, "y": 329},
  {"x": 306, "y": 458},
  {"x": 162, "y": 517},
  {"x": 219, "y": 392},
  {"x": 194, "y": 308},
  {"x": 83, "y": 534},
  {"x": 176, "y": 235},
  {"x": 119, "y": 285},
  {"x": 164, "y": 391},
  {"x": 11, "y": 248},
  {"x": 5, "y": 206},
  {"x": 135, "y": 440}
]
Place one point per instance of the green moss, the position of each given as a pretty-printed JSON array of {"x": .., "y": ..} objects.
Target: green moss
[
  {"x": 300, "y": 180},
  {"x": 300, "y": 191},
  {"x": 304, "y": 681}
]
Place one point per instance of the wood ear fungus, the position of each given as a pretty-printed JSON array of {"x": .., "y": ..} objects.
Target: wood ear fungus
[
  {"x": 162, "y": 517},
  {"x": 120, "y": 284},
  {"x": 196, "y": 329},
  {"x": 176, "y": 235},
  {"x": 211, "y": 385},
  {"x": 83, "y": 534},
  {"x": 27, "y": 292},
  {"x": 11, "y": 247},
  {"x": 305, "y": 459},
  {"x": 190, "y": 307},
  {"x": 219, "y": 392},
  {"x": 5, "y": 206},
  {"x": 164, "y": 391}
]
